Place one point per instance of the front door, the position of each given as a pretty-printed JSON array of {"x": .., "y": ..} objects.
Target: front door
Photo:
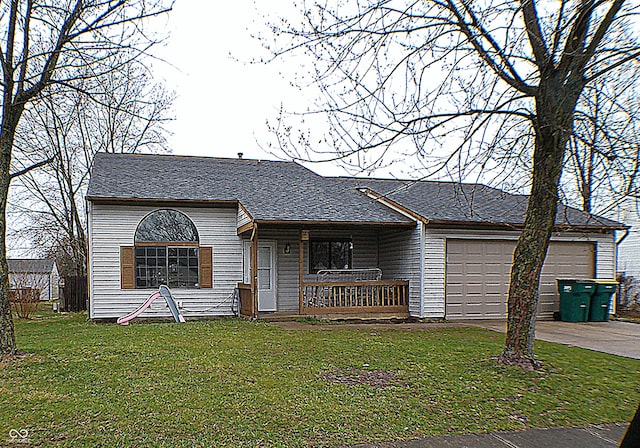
[{"x": 267, "y": 276}]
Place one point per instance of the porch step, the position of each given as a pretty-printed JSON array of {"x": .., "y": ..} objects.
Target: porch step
[{"x": 361, "y": 317}]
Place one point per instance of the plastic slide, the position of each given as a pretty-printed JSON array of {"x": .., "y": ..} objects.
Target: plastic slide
[
  {"x": 171, "y": 303},
  {"x": 124, "y": 320},
  {"x": 166, "y": 295}
]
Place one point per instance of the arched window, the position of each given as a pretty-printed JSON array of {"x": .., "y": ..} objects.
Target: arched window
[
  {"x": 162, "y": 226},
  {"x": 167, "y": 251}
]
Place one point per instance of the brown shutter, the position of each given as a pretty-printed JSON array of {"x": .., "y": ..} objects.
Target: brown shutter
[
  {"x": 206, "y": 267},
  {"x": 127, "y": 271}
]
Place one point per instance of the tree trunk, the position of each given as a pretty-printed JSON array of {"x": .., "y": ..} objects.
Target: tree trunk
[
  {"x": 7, "y": 335},
  {"x": 631, "y": 438},
  {"x": 553, "y": 126}
]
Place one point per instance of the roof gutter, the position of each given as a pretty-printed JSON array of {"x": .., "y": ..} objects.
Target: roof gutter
[
  {"x": 520, "y": 226},
  {"x": 300, "y": 222},
  {"x": 164, "y": 201}
]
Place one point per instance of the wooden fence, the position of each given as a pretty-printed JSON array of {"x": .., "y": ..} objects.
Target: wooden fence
[{"x": 74, "y": 295}]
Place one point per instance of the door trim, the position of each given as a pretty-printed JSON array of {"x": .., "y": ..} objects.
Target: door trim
[{"x": 273, "y": 245}]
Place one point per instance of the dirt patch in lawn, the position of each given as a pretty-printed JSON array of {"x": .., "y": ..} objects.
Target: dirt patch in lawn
[{"x": 357, "y": 377}]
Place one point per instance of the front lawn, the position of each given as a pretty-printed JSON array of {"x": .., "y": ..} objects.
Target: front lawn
[{"x": 235, "y": 383}]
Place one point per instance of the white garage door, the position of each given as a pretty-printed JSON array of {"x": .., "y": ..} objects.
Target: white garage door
[{"x": 478, "y": 276}]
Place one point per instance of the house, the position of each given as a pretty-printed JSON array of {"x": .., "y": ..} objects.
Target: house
[
  {"x": 35, "y": 274},
  {"x": 628, "y": 268},
  {"x": 629, "y": 247},
  {"x": 293, "y": 242}
]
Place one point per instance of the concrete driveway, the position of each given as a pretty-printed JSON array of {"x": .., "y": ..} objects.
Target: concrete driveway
[{"x": 614, "y": 337}]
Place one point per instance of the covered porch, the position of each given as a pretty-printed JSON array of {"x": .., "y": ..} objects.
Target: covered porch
[{"x": 326, "y": 271}]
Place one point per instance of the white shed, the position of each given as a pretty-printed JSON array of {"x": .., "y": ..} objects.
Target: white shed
[{"x": 41, "y": 274}]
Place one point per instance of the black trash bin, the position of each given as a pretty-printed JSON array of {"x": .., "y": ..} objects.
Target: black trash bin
[
  {"x": 599, "y": 308},
  {"x": 575, "y": 299}
]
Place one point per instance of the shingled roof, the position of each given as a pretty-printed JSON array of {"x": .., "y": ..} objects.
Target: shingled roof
[
  {"x": 30, "y": 265},
  {"x": 448, "y": 202},
  {"x": 287, "y": 191},
  {"x": 268, "y": 190}
]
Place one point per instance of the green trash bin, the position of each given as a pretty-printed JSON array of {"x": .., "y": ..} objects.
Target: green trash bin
[
  {"x": 575, "y": 299},
  {"x": 599, "y": 308}
]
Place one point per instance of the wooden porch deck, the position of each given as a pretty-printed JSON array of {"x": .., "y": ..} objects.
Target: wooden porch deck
[
  {"x": 367, "y": 299},
  {"x": 378, "y": 296}
]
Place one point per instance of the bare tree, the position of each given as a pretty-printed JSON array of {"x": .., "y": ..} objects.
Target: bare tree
[
  {"x": 472, "y": 86},
  {"x": 27, "y": 285},
  {"x": 125, "y": 114},
  {"x": 49, "y": 43},
  {"x": 604, "y": 149}
]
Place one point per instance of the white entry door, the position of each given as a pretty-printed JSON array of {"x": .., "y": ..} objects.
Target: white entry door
[{"x": 267, "y": 276}]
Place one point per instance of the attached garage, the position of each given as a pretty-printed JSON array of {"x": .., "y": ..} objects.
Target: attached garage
[{"x": 477, "y": 276}]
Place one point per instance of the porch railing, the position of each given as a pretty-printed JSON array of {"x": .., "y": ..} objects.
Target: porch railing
[{"x": 355, "y": 297}]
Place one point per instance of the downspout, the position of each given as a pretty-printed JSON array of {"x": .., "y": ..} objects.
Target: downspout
[{"x": 626, "y": 233}]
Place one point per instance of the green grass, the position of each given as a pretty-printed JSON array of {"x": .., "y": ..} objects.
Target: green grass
[{"x": 235, "y": 383}]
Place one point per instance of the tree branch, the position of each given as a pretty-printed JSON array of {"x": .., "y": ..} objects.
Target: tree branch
[{"x": 32, "y": 167}]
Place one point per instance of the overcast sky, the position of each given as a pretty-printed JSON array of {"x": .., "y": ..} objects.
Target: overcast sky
[{"x": 223, "y": 102}]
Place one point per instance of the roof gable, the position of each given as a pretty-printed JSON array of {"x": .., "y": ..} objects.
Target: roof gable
[{"x": 268, "y": 190}]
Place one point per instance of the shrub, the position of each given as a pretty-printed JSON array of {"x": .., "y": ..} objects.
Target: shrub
[{"x": 24, "y": 301}]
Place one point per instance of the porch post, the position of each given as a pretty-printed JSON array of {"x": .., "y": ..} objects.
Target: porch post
[
  {"x": 304, "y": 236},
  {"x": 254, "y": 270},
  {"x": 300, "y": 280}
]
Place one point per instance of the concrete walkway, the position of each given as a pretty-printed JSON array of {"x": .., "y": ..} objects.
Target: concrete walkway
[
  {"x": 601, "y": 436},
  {"x": 613, "y": 337}
]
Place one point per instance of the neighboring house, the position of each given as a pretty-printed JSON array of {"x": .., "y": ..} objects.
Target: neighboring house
[
  {"x": 35, "y": 273},
  {"x": 629, "y": 248},
  {"x": 206, "y": 226}
]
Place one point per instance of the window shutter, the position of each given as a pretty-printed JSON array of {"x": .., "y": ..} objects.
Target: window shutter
[
  {"x": 206, "y": 267},
  {"x": 127, "y": 271}
]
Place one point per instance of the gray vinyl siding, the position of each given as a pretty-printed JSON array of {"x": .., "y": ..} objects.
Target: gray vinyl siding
[
  {"x": 629, "y": 248},
  {"x": 400, "y": 260},
  {"x": 365, "y": 255},
  {"x": 435, "y": 259},
  {"x": 287, "y": 291},
  {"x": 243, "y": 218},
  {"x": 113, "y": 226},
  {"x": 605, "y": 256}
]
